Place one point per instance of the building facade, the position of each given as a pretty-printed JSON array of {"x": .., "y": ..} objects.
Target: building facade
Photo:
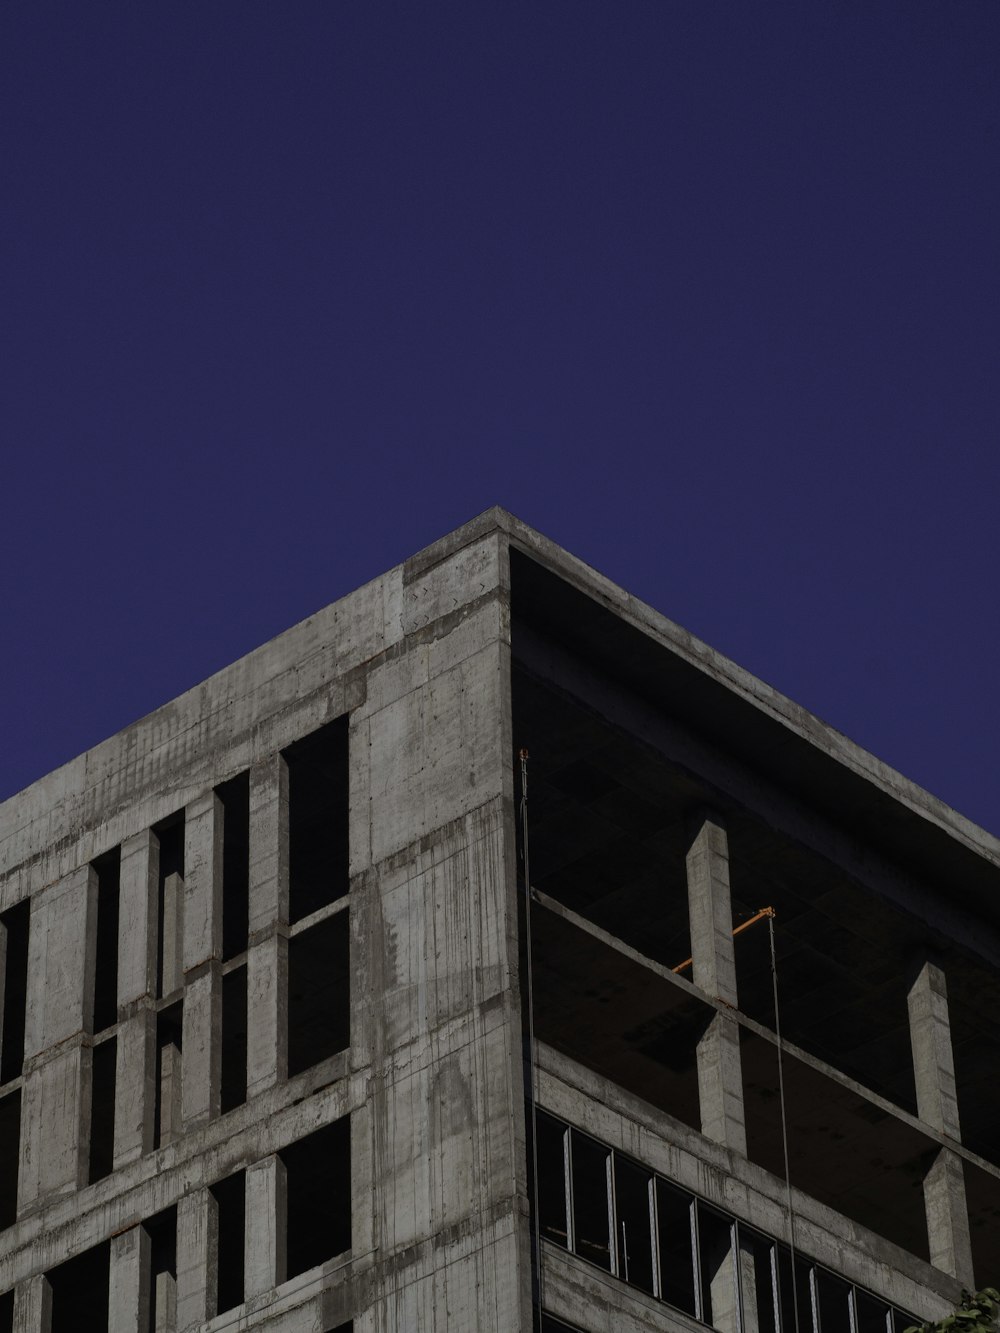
[{"x": 287, "y": 1044}]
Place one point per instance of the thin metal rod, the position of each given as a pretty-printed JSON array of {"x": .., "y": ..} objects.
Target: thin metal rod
[
  {"x": 758, "y": 916},
  {"x": 531, "y": 1025},
  {"x": 784, "y": 1119}
]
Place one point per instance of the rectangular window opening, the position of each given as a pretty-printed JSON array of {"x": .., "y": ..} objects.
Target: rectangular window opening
[
  {"x": 591, "y": 1212},
  {"x": 801, "y": 1295},
  {"x": 871, "y": 1314},
  {"x": 318, "y": 1182},
  {"x": 14, "y": 925},
  {"x": 719, "y": 1295},
  {"x": 552, "y": 1159},
  {"x": 675, "y": 1228},
  {"x": 102, "y": 1109},
  {"x": 167, "y": 1108},
  {"x": 162, "y": 1231},
  {"x": 634, "y": 1222},
  {"x": 7, "y": 1312},
  {"x": 319, "y": 993},
  {"x": 833, "y": 1296},
  {"x": 235, "y": 798},
  {"x": 80, "y": 1288},
  {"x": 170, "y": 905},
  {"x": 230, "y": 1197},
  {"x": 108, "y": 871},
  {"x": 234, "y": 1038},
  {"x": 10, "y": 1155},
  {"x": 318, "y": 799},
  {"x": 758, "y": 1280}
]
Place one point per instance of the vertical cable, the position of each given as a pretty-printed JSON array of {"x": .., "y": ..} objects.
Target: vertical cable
[
  {"x": 784, "y": 1120},
  {"x": 531, "y": 1027}
]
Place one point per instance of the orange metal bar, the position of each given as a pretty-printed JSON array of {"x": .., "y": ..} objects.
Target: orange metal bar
[{"x": 758, "y": 916}]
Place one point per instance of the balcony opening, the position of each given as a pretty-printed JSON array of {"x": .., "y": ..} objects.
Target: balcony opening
[
  {"x": 81, "y": 1285},
  {"x": 108, "y": 871},
  {"x": 14, "y": 924},
  {"x": 318, "y": 798},
  {"x": 318, "y": 1183},
  {"x": 235, "y": 798},
  {"x": 230, "y": 1199},
  {"x": 102, "y": 1109},
  {"x": 319, "y": 993}
]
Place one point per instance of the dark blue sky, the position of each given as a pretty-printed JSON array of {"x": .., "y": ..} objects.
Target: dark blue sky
[{"x": 705, "y": 291}]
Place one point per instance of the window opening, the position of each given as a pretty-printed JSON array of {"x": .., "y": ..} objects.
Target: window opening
[
  {"x": 803, "y": 1294},
  {"x": 230, "y": 1197},
  {"x": 759, "y": 1281},
  {"x": 162, "y": 1231},
  {"x": 552, "y": 1176},
  {"x": 871, "y": 1315},
  {"x": 318, "y": 1184},
  {"x": 591, "y": 1168},
  {"x": 319, "y": 993},
  {"x": 167, "y": 1108},
  {"x": 235, "y": 798},
  {"x": 7, "y": 1312},
  {"x": 108, "y": 871},
  {"x": 102, "y": 1109},
  {"x": 234, "y": 1038},
  {"x": 318, "y": 798},
  {"x": 170, "y": 905},
  {"x": 719, "y": 1294},
  {"x": 81, "y": 1285},
  {"x": 14, "y": 924},
  {"x": 10, "y": 1155},
  {"x": 833, "y": 1297},
  {"x": 676, "y": 1234},
  {"x": 634, "y": 1232}
]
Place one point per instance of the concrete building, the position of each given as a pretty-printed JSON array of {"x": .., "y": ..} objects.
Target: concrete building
[{"x": 274, "y": 1056}]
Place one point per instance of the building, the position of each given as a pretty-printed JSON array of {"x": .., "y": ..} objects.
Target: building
[{"x": 274, "y": 1056}]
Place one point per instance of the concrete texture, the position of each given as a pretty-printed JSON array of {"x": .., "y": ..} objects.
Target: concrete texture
[{"x": 435, "y": 1194}]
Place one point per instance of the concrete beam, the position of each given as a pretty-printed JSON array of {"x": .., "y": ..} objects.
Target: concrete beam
[
  {"x": 197, "y": 1259},
  {"x": 266, "y": 1229},
  {"x": 720, "y": 1074},
  {"x": 130, "y": 1281}
]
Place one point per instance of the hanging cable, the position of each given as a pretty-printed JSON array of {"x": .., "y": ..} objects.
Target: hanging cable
[
  {"x": 784, "y": 1119},
  {"x": 537, "y": 1238}
]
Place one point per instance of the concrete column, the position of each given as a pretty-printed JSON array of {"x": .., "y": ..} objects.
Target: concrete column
[
  {"x": 266, "y": 1232},
  {"x": 197, "y": 1259},
  {"x": 267, "y": 957},
  {"x": 135, "y": 1072},
  {"x": 33, "y": 1305},
  {"x": 201, "y": 1048},
  {"x": 130, "y": 1281},
  {"x": 720, "y": 1075},
  {"x": 165, "y": 1313},
  {"x": 173, "y": 935},
  {"x": 55, "y": 1121},
  {"x": 720, "y": 1273},
  {"x": 937, "y": 1105}
]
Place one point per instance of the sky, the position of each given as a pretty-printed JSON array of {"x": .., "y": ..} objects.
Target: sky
[{"x": 706, "y": 292}]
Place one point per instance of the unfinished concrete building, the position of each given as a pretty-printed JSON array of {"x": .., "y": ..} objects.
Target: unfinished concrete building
[{"x": 284, "y": 1036}]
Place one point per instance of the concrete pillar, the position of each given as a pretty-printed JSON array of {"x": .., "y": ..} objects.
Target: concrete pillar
[
  {"x": 135, "y": 1073},
  {"x": 267, "y": 957},
  {"x": 55, "y": 1120},
  {"x": 719, "y": 1272},
  {"x": 197, "y": 1259},
  {"x": 266, "y": 1232},
  {"x": 720, "y": 1075},
  {"x": 201, "y": 1047},
  {"x": 173, "y": 935},
  {"x": 130, "y": 1280},
  {"x": 165, "y": 1313},
  {"x": 937, "y": 1105},
  {"x": 170, "y": 1093},
  {"x": 33, "y": 1305}
]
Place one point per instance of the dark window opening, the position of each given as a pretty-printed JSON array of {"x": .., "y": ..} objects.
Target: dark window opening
[
  {"x": 80, "y": 1291},
  {"x": 230, "y": 1197},
  {"x": 235, "y": 798},
  {"x": 102, "y": 1109},
  {"x": 319, "y": 993},
  {"x": 14, "y": 925},
  {"x": 167, "y": 1108},
  {"x": 758, "y": 1273},
  {"x": 552, "y": 1153},
  {"x": 10, "y": 1155},
  {"x": 675, "y": 1230},
  {"x": 800, "y": 1299},
  {"x": 108, "y": 871},
  {"x": 591, "y": 1166},
  {"x": 170, "y": 905},
  {"x": 634, "y": 1205},
  {"x": 234, "y": 1038},
  {"x": 7, "y": 1312},
  {"x": 162, "y": 1231},
  {"x": 318, "y": 798},
  {"x": 719, "y": 1295},
  {"x": 871, "y": 1314},
  {"x": 833, "y": 1296},
  {"x": 318, "y": 1185}
]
